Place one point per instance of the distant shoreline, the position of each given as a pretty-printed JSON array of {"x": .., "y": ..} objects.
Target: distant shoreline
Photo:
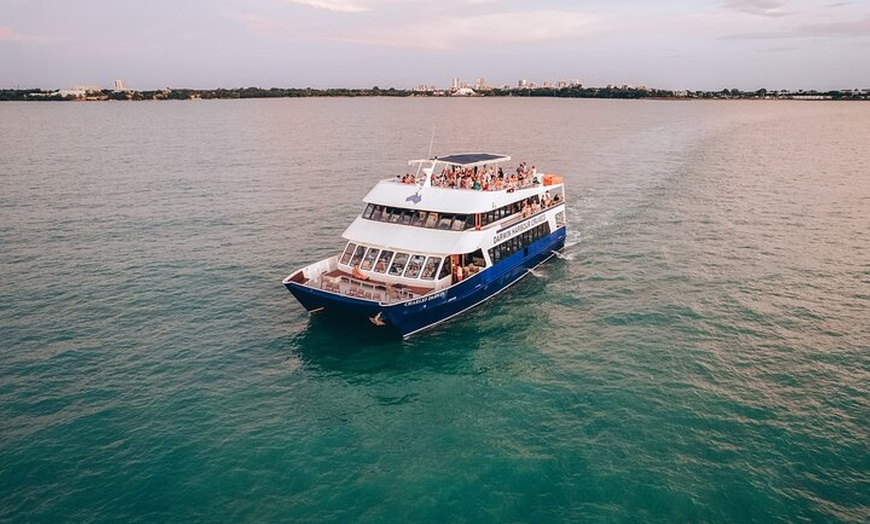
[{"x": 609, "y": 92}]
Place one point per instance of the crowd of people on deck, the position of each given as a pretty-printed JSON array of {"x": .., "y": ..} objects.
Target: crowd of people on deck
[
  {"x": 534, "y": 204},
  {"x": 482, "y": 178}
]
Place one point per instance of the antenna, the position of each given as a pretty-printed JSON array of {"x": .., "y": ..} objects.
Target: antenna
[
  {"x": 428, "y": 172},
  {"x": 431, "y": 141}
]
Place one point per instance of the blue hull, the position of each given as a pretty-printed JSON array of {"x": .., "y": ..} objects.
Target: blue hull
[{"x": 409, "y": 317}]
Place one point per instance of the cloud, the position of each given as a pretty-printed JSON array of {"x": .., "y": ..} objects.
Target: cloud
[
  {"x": 771, "y": 8},
  {"x": 362, "y": 6},
  {"x": 262, "y": 27},
  {"x": 342, "y": 6},
  {"x": 7, "y": 34},
  {"x": 454, "y": 32},
  {"x": 843, "y": 29},
  {"x": 856, "y": 28}
]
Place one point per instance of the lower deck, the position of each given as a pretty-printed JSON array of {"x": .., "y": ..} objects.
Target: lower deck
[{"x": 343, "y": 283}]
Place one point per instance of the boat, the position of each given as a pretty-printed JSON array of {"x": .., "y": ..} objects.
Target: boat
[{"x": 431, "y": 245}]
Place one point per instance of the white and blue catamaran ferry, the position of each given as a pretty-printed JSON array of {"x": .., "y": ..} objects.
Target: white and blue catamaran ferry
[{"x": 431, "y": 245}]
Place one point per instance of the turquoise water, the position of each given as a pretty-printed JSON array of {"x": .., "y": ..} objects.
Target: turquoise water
[{"x": 700, "y": 354}]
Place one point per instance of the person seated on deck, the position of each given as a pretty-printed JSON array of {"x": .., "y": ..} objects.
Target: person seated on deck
[{"x": 358, "y": 274}]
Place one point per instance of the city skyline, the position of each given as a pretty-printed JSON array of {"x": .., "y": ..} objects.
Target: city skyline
[{"x": 715, "y": 44}]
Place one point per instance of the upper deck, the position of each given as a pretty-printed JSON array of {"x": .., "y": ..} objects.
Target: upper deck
[{"x": 462, "y": 183}]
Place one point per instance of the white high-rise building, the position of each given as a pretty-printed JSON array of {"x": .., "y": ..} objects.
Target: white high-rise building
[
  {"x": 454, "y": 85},
  {"x": 119, "y": 86}
]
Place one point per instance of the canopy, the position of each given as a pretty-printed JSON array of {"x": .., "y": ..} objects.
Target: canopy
[{"x": 466, "y": 159}]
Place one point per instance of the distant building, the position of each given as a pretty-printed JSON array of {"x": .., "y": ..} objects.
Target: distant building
[
  {"x": 81, "y": 92},
  {"x": 454, "y": 84},
  {"x": 118, "y": 86},
  {"x": 464, "y": 91},
  {"x": 523, "y": 83}
]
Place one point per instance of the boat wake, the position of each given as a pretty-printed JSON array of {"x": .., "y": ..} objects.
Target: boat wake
[{"x": 566, "y": 256}]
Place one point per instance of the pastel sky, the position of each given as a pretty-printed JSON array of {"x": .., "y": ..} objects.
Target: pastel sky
[{"x": 679, "y": 44}]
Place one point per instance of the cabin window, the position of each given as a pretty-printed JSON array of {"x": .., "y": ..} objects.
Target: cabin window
[
  {"x": 430, "y": 268},
  {"x": 369, "y": 259},
  {"x": 395, "y": 215},
  {"x": 445, "y": 269},
  {"x": 432, "y": 220},
  {"x": 358, "y": 255},
  {"x": 348, "y": 251},
  {"x": 398, "y": 265},
  {"x": 419, "y": 219},
  {"x": 368, "y": 211},
  {"x": 444, "y": 222},
  {"x": 477, "y": 258},
  {"x": 383, "y": 261},
  {"x": 459, "y": 223},
  {"x": 414, "y": 266},
  {"x": 378, "y": 212}
]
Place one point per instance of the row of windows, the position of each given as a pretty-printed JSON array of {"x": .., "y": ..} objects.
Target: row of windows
[
  {"x": 445, "y": 221},
  {"x": 410, "y": 217},
  {"x": 518, "y": 243},
  {"x": 397, "y": 264}
]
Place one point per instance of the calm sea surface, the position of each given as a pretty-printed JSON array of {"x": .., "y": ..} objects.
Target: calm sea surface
[{"x": 701, "y": 354}]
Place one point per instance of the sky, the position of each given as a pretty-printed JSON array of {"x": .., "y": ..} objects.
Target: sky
[{"x": 679, "y": 44}]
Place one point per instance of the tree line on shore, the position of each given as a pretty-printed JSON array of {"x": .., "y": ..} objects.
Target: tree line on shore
[{"x": 618, "y": 92}]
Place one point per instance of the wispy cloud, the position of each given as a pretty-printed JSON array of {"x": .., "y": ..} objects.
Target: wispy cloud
[
  {"x": 841, "y": 29},
  {"x": 342, "y": 6},
  {"x": 262, "y": 27},
  {"x": 771, "y": 8},
  {"x": 850, "y": 28},
  {"x": 7, "y": 34},
  {"x": 361, "y": 6},
  {"x": 455, "y": 32}
]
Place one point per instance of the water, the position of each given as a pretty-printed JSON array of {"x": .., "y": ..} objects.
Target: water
[{"x": 701, "y": 353}]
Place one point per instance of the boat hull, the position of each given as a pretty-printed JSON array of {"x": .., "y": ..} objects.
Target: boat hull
[{"x": 411, "y": 316}]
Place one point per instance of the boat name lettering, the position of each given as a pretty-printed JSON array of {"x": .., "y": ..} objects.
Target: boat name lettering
[
  {"x": 427, "y": 298},
  {"x": 519, "y": 228}
]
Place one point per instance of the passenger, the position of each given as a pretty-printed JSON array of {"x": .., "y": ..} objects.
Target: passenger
[
  {"x": 459, "y": 274},
  {"x": 358, "y": 274}
]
